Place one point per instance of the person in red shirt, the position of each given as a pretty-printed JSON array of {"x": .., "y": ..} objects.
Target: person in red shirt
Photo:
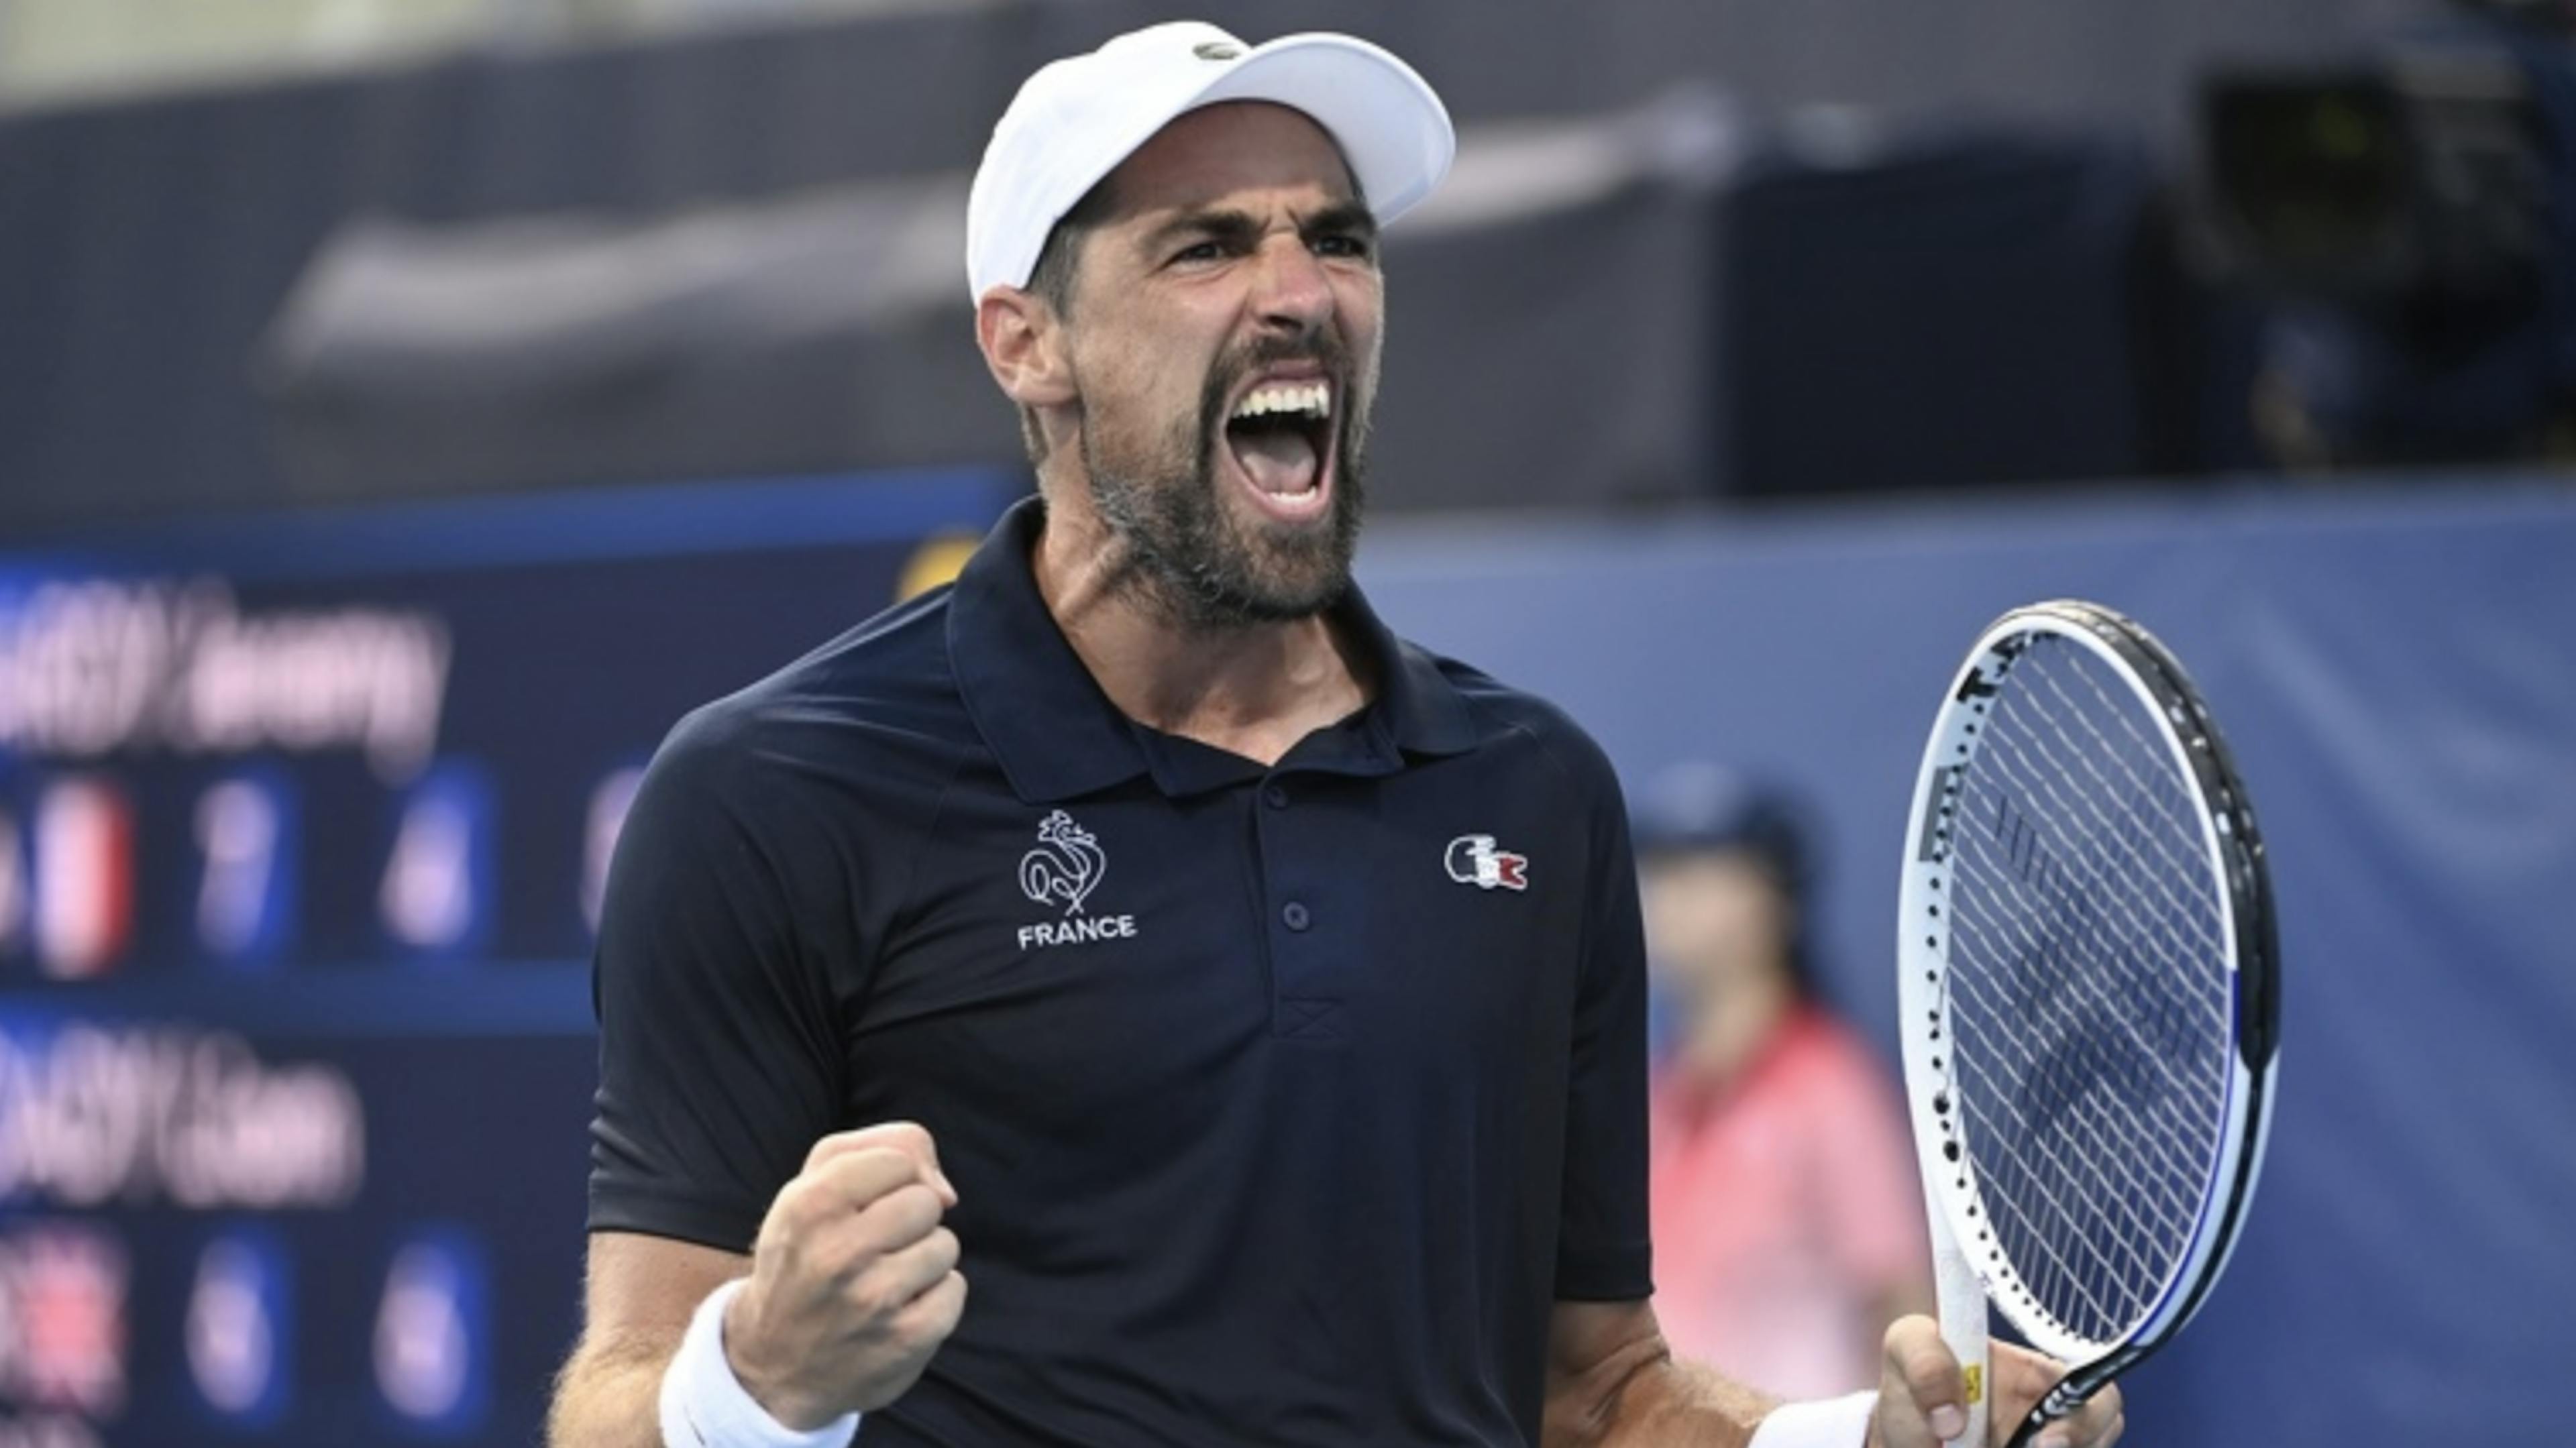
[{"x": 1788, "y": 1224}]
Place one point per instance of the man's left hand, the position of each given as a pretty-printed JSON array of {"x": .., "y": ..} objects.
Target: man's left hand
[{"x": 1922, "y": 1392}]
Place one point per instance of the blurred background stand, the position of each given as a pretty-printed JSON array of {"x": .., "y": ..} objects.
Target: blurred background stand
[{"x": 163, "y": 200}]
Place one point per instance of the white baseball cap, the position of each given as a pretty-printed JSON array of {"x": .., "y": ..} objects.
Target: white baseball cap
[{"x": 1076, "y": 119}]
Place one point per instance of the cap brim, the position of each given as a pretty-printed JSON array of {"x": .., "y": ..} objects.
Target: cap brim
[{"x": 1387, "y": 120}]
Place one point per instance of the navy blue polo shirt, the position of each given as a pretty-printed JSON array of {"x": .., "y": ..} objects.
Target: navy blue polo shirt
[{"x": 1283, "y": 1103}]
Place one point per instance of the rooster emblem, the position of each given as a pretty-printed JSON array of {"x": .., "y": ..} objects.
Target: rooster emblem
[{"x": 1066, "y": 865}]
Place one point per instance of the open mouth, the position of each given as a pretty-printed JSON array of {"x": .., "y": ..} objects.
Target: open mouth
[{"x": 1280, "y": 435}]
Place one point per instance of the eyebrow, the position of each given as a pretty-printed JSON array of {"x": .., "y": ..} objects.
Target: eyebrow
[{"x": 1342, "y": 218}]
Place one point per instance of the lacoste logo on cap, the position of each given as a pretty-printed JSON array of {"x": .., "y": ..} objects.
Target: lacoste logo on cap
[{"x": 1216, "y": 50}]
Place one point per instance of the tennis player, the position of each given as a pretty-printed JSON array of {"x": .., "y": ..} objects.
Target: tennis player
[{"x": 1249, "y": 1004}]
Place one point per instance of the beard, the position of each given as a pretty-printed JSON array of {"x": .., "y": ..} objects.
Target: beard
[{"x": 1205, "y": 564}]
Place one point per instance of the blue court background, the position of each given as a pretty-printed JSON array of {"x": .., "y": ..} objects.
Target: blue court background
[
  {"x": 2397, "y": 674},
  {"x": 2393, "y": 668}
]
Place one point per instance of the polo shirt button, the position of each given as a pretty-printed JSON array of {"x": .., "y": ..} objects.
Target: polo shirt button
[
  {"x": 1294, "y": 914},
  {"x": 1275, "y": 796}
]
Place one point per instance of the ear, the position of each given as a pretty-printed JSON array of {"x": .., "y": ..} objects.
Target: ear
[{"x": 1024, "y": 344}]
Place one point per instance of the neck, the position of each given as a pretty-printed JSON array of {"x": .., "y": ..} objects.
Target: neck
[{"x": 1250, "y": 689}]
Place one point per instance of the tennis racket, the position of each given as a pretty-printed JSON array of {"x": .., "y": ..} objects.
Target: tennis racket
[{"x": 2090, "y": 991}]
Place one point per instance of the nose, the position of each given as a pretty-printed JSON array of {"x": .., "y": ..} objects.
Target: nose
[{"x": 1291, "y": 294}]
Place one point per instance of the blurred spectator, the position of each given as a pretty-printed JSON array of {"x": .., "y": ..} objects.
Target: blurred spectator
[{"x": 1786, "y": 1213}]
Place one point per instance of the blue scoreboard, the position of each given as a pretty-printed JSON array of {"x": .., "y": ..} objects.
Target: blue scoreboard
[{"x": 303, "y": 822}]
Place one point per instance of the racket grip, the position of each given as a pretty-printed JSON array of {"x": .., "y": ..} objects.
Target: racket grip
[{"x": 1963, "y": 1327}]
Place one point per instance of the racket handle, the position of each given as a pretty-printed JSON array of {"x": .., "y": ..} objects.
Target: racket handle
[{"x": 1963, "y": 1327}]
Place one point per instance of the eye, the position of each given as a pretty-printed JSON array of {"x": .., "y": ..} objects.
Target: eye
[
  {"x": 1343, "y": 244},
  {"x": 1199, "y": 251}
]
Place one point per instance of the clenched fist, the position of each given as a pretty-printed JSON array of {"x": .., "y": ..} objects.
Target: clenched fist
[{"x": 854, "y": 1282}]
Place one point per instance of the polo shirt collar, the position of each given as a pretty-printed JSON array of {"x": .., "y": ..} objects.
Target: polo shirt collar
[
  {"x": 1416, "y": 704},
  {"x": 1058, "y": 737}
]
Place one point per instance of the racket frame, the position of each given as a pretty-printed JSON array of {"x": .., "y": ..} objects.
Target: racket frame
[{"x": 1964, "y": 1249}]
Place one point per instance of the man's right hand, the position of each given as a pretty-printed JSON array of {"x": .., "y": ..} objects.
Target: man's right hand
[{"x": 854, "y": 1282}]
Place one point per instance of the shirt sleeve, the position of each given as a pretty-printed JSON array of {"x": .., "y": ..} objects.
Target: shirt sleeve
[
  {"x": 1603, "y": 1254},
  {"x": 719, "y": 1046}
]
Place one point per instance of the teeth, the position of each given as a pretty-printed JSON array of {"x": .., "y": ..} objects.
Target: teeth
[{"x": 1314, "y": 400}]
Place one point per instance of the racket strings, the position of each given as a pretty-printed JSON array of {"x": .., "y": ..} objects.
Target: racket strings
[
  {"x": 2172, "y": 1150},
  {"x": 2087, "y": 990},
  {"x": 2096, "y": 1285},
  {"x": 2066, "y": 1110},
  {"x": 2069, "y": 1112},
  {"x": 2089, "y": 887},
  {"x": 2028, "y": 1207},
  {"x": 2100, "y": 940},
  {"x": 2108, "y": 1258},
  {"x": 2078, "y": 900},
  {"x": 2174, "y": 832},
  {"x": 2176, "y": 825}
]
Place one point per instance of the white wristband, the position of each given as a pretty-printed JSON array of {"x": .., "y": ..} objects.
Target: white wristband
[
  {"x": 704, "y": 1404},
  {"x": 1832, "y": 1423}
]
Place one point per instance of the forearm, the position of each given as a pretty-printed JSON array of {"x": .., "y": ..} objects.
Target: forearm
[
  {"x": 1674, "y": 1404},
  {"x": 1656, "y": 1401},
  {"x": 608, "y": 1395}
]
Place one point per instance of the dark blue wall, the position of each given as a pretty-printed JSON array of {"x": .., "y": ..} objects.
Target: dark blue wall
[
  {"x": 2393, "y": 668},
  {"x": 2396, "y": 673}
]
